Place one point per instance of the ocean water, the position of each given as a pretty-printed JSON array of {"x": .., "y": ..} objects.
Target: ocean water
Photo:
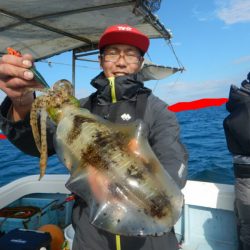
[
  {"x": 201, "y": 132},
  {"x": 203, "y": 135}
]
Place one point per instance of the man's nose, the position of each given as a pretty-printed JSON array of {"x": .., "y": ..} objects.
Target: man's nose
[{"x": 121, "y": 60}]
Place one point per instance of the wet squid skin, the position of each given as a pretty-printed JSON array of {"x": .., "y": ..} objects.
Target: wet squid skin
[{"x": 115, "y": 171}]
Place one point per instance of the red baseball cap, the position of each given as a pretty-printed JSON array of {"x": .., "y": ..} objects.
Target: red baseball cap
[{"x": 124, "y": 34}]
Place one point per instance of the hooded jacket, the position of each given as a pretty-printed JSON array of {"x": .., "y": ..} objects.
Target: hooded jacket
[{"x": 236, "y": 127}]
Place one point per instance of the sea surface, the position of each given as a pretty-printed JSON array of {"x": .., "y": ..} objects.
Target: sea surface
[{"x": 201, "y": 132}]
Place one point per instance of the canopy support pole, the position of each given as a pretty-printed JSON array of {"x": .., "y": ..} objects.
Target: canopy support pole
[{"x": 73, "y": 70}]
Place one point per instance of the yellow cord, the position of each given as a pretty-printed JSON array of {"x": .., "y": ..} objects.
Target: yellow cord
[
  {"x": 118, "y": 242},
  {"x": 112, "y": 87}
]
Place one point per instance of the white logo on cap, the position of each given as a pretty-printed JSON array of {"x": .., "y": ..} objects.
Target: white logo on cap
[{"x": 126, "y": 28}]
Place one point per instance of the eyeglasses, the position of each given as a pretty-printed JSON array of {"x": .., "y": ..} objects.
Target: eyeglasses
[{"x": 130, "y": 57}]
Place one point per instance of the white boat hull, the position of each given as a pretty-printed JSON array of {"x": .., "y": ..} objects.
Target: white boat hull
[{"x": 207, "y": 221}]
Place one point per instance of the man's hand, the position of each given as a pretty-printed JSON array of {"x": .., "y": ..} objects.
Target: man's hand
[{"x": 15, "y": 78}]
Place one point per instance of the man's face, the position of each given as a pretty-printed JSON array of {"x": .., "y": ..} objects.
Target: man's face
[{"x": 120, "y": 59}]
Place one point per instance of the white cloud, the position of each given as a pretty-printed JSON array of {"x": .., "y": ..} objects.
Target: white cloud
[
  {"x": 243, "y": 59},
  {"x": 202, "y": 16},
  {"x": 187, "y": 91},
  {"x": 233, "y": 11}
]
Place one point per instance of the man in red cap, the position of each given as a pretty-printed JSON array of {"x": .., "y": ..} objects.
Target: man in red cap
[{"x": 121, "y": 97}]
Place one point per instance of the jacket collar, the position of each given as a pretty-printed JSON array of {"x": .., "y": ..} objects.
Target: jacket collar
[{"x": 126, "y": 87}]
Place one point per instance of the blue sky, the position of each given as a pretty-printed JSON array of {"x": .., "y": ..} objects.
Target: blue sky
[{"x": 211, "y": 39}]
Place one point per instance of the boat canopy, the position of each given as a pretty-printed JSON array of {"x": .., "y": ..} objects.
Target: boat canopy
[{"x": 46, "y": 28}]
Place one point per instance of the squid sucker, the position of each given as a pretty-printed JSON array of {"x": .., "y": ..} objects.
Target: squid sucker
[{"x": 113, "y": 168}]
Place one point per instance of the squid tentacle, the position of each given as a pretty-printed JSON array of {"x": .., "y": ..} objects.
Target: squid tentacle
[
  {"x": 34, "y": 116},
  {"x": 44, "y": 150},
  {"x": 34, "y": 123}
]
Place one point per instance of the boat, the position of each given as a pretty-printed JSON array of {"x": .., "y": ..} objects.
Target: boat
[{"x": 208, "y": 221}]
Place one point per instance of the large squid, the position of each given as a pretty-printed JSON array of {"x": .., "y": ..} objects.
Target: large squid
[{"x": 113, "y": 168}]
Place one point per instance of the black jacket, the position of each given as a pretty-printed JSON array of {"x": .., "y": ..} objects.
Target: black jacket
[
  {"x": 163, "y": 135},
  {"x": 236, "y": 127}
]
